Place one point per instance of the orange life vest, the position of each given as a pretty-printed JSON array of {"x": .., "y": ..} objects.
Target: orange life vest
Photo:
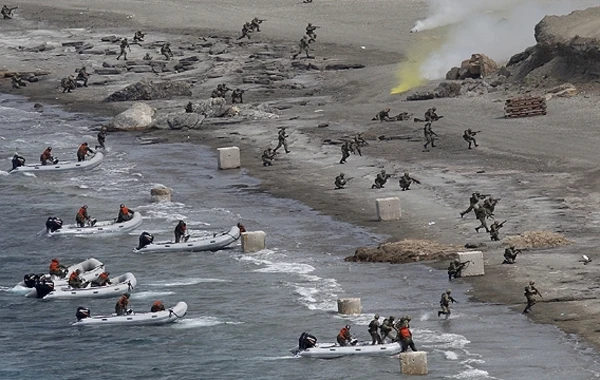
[
  {"x": 83, "y": 149},
  {"x": 54, "y": 266},
  {"x": 123, "y": 301},
  {"x": 405, "y": 333},
  {"x": 83, "y": 212},
  {"x": 103, "y": 276},
  {"x": 73, "y": 276},
  {"x": 344, "y": 333},
  {"x": 124, "y": 210},
  {"x": 46, "y": 155}
]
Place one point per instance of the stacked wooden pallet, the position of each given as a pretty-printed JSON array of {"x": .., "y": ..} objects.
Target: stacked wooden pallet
[{"x": 525, "y": 106}]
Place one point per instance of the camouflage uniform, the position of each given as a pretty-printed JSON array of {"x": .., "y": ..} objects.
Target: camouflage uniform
[
  {"x": 268, "y": 156},
  {"x": 430, "y": 115},
  {"x": 101, "y": 138},
  {"x": 383, "y": 115},
  {"x": 303, "y": 45},
  {"x": 346, "y": 149},
  {"x": 245, "y": 31},
  {"x": 530, "y": 292},
  {"x": 510, "y": 255},
  {"x": 380, "y": 180},
  {"x": 429, "y": 135},
  {"x": 386, "y": 328},
  {"x": 255, "y": 24},
  {"x": 281, "y": 136},
  {"x": 68, "y": 84},
  {"x": 495, "y": 230},
  {"x": 445, "y": 301},
  {"x": 310, "y": 32},
  {"x": 7, "y": 12},
  {"x": 475, "y": 198},
  {"x": 138, "y": 36},
  {"x": 124, "y": 46},
  {"x": 237, "y": 96},
  {"x": 83, "y": 76},
  {"x": 374, "y": 330},
  {"x": 455, "y": 268},
  {"x": 406, "y": 180},
  {"x": 340, "y": 182},
  {"x": 469, "y": 136},
  {"x": 166, "y": 51}
]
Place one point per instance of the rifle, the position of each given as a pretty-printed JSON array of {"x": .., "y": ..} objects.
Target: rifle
[
  {"x": 416, "y": 181},
  {"x": 501, "y": 224}
]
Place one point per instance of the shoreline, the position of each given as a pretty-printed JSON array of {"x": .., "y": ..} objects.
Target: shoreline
[{"x": 307, "y": 175}]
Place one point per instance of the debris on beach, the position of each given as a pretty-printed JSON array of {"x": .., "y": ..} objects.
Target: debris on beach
[
  {"x": 405, "y": 251},
  {"x": 537, "y": 239}
]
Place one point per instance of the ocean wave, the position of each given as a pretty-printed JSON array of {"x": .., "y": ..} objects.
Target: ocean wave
[
  {"x": 190, "y": 323},
  {"x": 450, "y": 355},
  {"x": 187, "y": 282},
  {"x": 441, "y": 341},
  {"x": 286, "y": 268},
  {"x": 149, "y": 294},
  {"x": 472, "y": 373},
  {"x": 321, "y": 295}
]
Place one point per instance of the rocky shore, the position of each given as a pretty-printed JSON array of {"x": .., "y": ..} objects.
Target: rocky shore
[{"x": 545, "y": 184}]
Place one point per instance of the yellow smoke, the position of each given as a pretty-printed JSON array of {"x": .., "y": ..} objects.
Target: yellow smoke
[{"x": 409, "y": 72}]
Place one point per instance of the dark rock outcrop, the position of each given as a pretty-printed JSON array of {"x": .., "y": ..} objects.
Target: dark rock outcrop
[{"x": 148, "y": 90}]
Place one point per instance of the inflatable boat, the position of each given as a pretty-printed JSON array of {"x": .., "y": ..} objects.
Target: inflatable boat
[
  {"x": 105, "y": 227},
  {"x": 169, "y": 315},
  {"x": 119, "y": 285},
  {"x": 89, "y": 163},
  {"x": 334, "y": 350},
  {"x": 90, "y": 270},
  {"x": 211, "y": 243}
]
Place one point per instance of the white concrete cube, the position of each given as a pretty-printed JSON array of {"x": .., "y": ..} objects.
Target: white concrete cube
[
  {"x": 229, "y": 158},
  {"x": 413, "y": 363},
  {"x": 388, "y": 208},
  {"x": 475, "y": 267},
  {"x": 253, "y": 241},
  {"x": 349, "y": 306}
]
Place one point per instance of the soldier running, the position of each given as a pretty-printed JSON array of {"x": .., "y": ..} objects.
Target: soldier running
[
  {"x": 445, "y": 301},
  {"x": 165, "y": 50},
  {"x": 469, "y": 136},
  {"x": 530, "y": 292},
  {"x": 282, "y": 136},
  {"x": 495, "y": 230},
  {"x": 510, "y": 255},
  {"x": 346, "y": 149},
  {"x": 310, "y": 32},
  {"x": 429, "y": 135},
  {"x": 380, "y": 180},
  {"x": 124, "y": 45},
  {"x": 304, "y": 46},
  {"x": 475, "y": 198},
  {"x": 340, "y": 181},
  {"x": 7, "y": 13},
  {"x": 406, "y": 180},
  {"x": 255, "y": 24},
  {"x": 245, "y": 31},
  {"x": 431, "y": 116},
  {"x": 101, "y": 138}
]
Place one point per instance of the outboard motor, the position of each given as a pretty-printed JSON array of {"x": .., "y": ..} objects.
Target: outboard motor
[
  {"x": 53, "y": 224},
  {"x": 82, "y": 313},
  {"x": 43, "y": 287},
  {"x": 306, "y": 341},
  {"x": 17, "y": 161},
  {"x": 30, "y": 279},
  {"x": 145, "y": 239}
]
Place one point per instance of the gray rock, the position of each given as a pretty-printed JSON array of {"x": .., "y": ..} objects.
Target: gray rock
[
  {"x": 107, "y": 64},
  {"x": 82, "y": 49},
  {"x": 109, "y": 71},
  {"x": 74, "y": 44},
  {"x": 344, "y": 66},
  {"x": 37, "y": 48},
  {"x": 185, "y": 120},
  {"x": 112, "y": 39},
  {"x": 137, "y": 62},
  {"x": 193, "y": 58},
  {"x": 140, "y": 69},
  {"x": 224, "y": 58},
  {"x": 218, "y": 48},
  {"x": 453, "y": 73},
  {"x": 148, "y": 90},
  {"x": 448, "y": 89},
  {"x": 305, "y": 65},
  {"x": 139, "y": 116}
]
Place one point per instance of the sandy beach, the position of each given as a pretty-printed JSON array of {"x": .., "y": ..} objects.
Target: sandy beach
[{"x": 544, "y": 168}]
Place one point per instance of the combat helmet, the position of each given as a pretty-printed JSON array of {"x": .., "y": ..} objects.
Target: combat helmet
[{"x": 448, "y": 291}]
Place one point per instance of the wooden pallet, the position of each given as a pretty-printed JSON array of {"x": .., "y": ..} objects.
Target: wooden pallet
[
  {"x": 524, "y": 108},
  {"x": 526, "y": 99},
  {"x": 524, "y": 114}
]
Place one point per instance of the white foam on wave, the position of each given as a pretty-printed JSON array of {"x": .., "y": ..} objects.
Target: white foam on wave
[
  {"x": 18, "y": 289},
  {"x": 286, "y": 268},
  {"x": 441, "y": 341},
  {"x": 320, "y": 294},
  {"x": 28, "y": 174},
  {"x": 451, "y": 355},
  {"x": 472, "y": 373},
  {"x": 149, "y": 294},
  {"x": 187, "y": 282},
  {"x": 191, "y": 323},
  {"x": 2, "y": 172}
]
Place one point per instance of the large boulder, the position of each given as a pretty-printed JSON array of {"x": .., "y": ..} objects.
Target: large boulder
[
  {"x": 448, "y": 89},
  {"x": 138, "y": 116},
  {"x": 161, "y": 193},
  {"x": 148, "y": 90},
  {"x": 212, "y": 107},
  {"x": 478, "y": 66},
  {"x": 185, "y": 120}
]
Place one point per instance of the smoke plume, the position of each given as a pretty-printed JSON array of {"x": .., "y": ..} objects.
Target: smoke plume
[{"x": 497, "y": 28}]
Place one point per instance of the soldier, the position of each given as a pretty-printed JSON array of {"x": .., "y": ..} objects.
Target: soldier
[
  {"x": 255, "y": 24},
  {"x": 383, "y": 115},
  {"x": 17, "y": 82},
  {"x": 83, "y": 76},
  {"x": 147, "y": 57},
  {"x": 340, "y": 181},
  {"x": 495, "y": 230},
  {"x": 359, "y": 140},
  {"x": 68, "y": 84},
  {"x": 490, "y": 205},
  {"x": 404, "y": 321},
  {"x": 237, "y": 96},
  {"x": 405, "y": 336},
  {"x": 346, "y": 149},
  {"x": 268, "y": 156},
  {"x": 303, "y": 45},
  {"x": 189, "y": 107},
  {"x": 510, "y": 255},
  {"x": 245, "y": 31},
  {"x": 481, "y": 214},
  {"x": 380, "y": 180},
  {"x": 138, "y": 36},
  {"x": 445, "y": 303},
  {"x": 406, "y": 180},
  {"x": 374, "y": 330},
  {"x": 101, "y": 138},
  {"x": 166, "y": 51},
  {"x": 386, "y": 328},
  {"x": 310, "y": 32},
  {"x": 530, "y": 291},
  {"x": 431, "y": 116},
  {"x": 469, "y": 137},
  {"x": 429, "y": 135},
  {"x": 475, "y": 198},
  {"x": 7, "y": 12},
  {"x": 455, "y": 269},
  {"x": 282, "y": 136},
  {"x": 124, "y": 45}
]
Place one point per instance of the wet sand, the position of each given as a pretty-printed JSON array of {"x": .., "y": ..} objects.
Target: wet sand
[{"x": 544, "y": 168}]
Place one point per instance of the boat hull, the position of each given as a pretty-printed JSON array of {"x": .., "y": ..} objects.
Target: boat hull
[
  {"x": 90, "y": 163},
  {"x": 333, "y": 350},
  {"x": 170, "y": 315},
  {"x": 214, "y": 243},
  {"x": 105, "y": 227}
]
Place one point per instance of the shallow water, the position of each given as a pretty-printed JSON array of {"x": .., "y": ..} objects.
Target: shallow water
[{"x": 245, "y": 311}]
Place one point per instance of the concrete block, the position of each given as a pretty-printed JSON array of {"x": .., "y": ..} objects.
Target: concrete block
[
  {"x": 253, "y": 241},
  {"x": 229, "y": 158},
  {"x": 160, "y": 193},
  {"x": 349, "y": 306},
  {"x": 388, "y": 208},
  {"x": 475, "y": 267},
  {"x": 413, "y": 363}
]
